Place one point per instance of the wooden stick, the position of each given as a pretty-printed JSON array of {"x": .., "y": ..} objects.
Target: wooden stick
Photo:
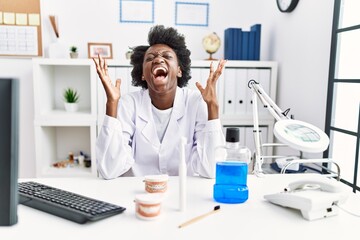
[
  {"x": 54, "y": 25},
  {"x": 195, "y": 219}
]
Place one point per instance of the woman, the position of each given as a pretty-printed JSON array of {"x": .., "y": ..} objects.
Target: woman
[{"x": 142, "y": 131}]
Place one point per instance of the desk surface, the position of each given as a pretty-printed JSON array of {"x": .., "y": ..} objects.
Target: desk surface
[{"x": 254, "y": 219}]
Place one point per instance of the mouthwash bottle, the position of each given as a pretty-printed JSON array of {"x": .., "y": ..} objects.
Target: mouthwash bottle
[{"x": 231, "y": 172}]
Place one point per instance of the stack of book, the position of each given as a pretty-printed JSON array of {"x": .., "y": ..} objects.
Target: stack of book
[{"x": 242, "y": 45}]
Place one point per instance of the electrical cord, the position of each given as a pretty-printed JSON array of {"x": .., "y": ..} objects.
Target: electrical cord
[{"x": 347, "y": 211}]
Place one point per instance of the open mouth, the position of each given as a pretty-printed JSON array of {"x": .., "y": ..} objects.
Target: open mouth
[{"x": 160, "y": 72}]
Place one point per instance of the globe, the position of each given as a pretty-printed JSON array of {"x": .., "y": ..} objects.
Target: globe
[{"x": 211, "y": 44}]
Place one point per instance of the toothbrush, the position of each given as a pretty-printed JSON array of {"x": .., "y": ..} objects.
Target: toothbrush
[{"x": 182, "y": 175}]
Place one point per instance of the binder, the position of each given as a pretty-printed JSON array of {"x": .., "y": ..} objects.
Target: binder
[
  {"x": 264, "y": 79},
  {"x": 257, "y": 29},
  {"x": 230, "y": 90},
  {"x": 238, "y": 44},
  {"x": 252, "y": 73},
  {"x": 232, "y": 47},
  {"x": 252, "y": 45},
  {"x": 245, "y": 46},
  {"x": 241, "y": 91},
  {"x": 228, "y": 47}
]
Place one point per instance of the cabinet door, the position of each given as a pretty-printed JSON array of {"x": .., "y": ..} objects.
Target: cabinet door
[
  {"x": 101, "y": 96},
  {"x": 241, "y": 90},
  {"x": 123, "y": 73},
  {"x": 200, "y": 75},
  {"x": 262, "y": 76},
  {"x": 264, "y": 79},
  {"x": 250, "y": 139},
  {"x": 230, "y": 91},
  {"x": 115, "y": 72},
  {"x": 252, "y": 74}
]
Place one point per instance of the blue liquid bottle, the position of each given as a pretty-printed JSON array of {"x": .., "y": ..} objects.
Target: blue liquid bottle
[{"x": 231, "y": 172}]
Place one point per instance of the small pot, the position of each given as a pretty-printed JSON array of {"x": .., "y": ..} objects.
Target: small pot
[
  {"x": 74, "y": 55},
  {"x": 71, "y": 107},
  {"x": 128, "y": 55}
]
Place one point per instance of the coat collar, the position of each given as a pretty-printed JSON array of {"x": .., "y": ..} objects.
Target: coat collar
[
  {"x": 145, "y": 114},
  {"x": 178, "y": 107}
]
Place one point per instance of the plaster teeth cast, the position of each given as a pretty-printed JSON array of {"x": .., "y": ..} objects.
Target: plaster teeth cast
[
  {"x": 148, "y": 206},
  {"x": 156, "y": 183}
]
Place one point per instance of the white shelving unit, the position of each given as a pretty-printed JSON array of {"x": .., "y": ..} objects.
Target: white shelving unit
[{"x": 58, "y": 132}]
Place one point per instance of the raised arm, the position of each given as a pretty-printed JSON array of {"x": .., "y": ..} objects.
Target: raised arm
[
  {"x": 209, "y": 92},
  {"x": 112, "y": 92}
]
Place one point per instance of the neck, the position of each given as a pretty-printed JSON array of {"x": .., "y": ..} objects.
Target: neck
[{"x": 163, "y": 101}]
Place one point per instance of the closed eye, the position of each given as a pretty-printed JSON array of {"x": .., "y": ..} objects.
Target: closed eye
[
  {"x": 149, "y": 58},
  {"x": 168, "y": 56}
]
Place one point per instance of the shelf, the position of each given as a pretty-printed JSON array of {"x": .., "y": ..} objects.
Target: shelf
[
  {"x": 53, "y": 144},
  {"x": 51, "y": 77},
  {"x": 63, "y": 118},
  {"x": 75, "y": 171}
]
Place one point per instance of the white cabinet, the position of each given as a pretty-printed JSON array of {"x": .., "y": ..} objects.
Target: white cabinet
[
  {"x": 236, "y": 98},
  {"x": 58, "y": 132}
]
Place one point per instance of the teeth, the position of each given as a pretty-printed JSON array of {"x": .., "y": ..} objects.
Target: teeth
[{"x": 156, "y": 70}]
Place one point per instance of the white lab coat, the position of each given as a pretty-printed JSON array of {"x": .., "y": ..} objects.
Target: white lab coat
[{"x": 130, "y": 146}]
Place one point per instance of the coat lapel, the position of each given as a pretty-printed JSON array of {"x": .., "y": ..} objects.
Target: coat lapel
[
  {"x": 147, "y": 125},
  {"x": 173, "y": 128},
  {"x": 146, "y": 122}
]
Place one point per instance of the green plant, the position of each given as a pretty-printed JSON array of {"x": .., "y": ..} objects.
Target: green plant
[
  {"x": 73, "y": 49},
  {"x": 130, "y": 50},
  {"x": 71, "y": 95}
]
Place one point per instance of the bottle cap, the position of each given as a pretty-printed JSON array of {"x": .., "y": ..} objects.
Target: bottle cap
[{"x": 232, "y": 134}]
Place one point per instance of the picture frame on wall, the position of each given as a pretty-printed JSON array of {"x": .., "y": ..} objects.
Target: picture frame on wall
[
  {"x": 137, "y": 11},
  {"x": 192, "y": 14},
  {"x": 102, "y": 49}
]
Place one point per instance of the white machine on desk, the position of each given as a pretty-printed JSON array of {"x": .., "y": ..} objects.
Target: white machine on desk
[{"x": 315, "y": 198}]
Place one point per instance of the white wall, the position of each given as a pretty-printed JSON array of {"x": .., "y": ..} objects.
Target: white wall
[{"x": 299, "y": 42}]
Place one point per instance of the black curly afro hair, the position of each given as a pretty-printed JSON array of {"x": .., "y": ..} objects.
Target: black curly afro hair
[{"x": 170, "y": 37}]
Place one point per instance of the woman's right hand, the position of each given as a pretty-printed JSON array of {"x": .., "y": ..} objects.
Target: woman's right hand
[{"x": 112, "y": 92}]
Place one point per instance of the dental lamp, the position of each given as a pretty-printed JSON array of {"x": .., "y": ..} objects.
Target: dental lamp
[{"x": 296, "y": 134}]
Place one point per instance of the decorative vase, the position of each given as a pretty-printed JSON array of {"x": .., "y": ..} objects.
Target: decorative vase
[
  {"x": 128, "y": 54},
  {"x": 71, "y": 107},
  {"x": 74, "y": 55}
]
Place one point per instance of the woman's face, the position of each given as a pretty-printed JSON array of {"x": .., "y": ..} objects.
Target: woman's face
[{"x": 161, "y": 69}]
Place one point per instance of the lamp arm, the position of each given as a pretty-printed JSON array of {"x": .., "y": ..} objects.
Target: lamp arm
[
  {"x": 276, "y": 112},
  {"x": 272, "y": 107},
  {"x": 258, "y": 150}
]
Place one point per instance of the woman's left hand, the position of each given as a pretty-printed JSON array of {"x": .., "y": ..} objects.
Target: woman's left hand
[{"x": 209, "y": 92}]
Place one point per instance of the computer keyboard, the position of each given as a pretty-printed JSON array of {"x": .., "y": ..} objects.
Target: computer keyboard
[{"x": 65, "y": 204}]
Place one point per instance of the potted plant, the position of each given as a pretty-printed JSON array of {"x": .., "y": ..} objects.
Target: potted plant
[
  {"x": 74, "y": 52},
  {"x": 129, "y": 52},
  {"x": 71, "y": 98}
]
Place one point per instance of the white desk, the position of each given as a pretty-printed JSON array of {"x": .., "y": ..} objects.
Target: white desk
[{"x": 254, "y": 219}]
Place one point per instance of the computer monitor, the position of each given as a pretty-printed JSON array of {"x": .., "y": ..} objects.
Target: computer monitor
[{"x": 9, "y": 131}]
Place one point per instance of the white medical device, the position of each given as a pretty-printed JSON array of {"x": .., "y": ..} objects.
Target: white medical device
[{"x": 293, "y": 133}]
